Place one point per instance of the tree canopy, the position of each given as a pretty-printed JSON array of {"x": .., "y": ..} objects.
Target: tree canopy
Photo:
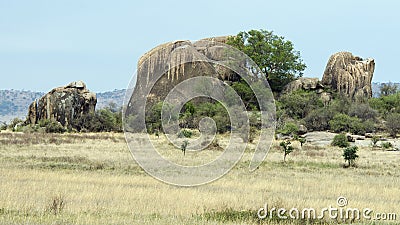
[{"x": 275, "y": 56}]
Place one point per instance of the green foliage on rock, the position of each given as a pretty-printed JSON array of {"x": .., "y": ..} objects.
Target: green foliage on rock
[{"x": 275, "y": 56}]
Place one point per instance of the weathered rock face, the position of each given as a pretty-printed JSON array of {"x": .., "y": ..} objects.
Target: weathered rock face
[
  {"x": 63, "y": 104},
  {"x": 177, "y": 61},
  {"x": 303, "y": 83},
  {"x": 350, "y": 75}
]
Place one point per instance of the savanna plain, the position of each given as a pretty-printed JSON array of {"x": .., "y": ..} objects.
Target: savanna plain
[{"x": 92, "y": 178}]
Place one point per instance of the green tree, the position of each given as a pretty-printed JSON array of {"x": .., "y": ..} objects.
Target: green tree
[
  {"x": 287, "y": 148},
  {"x": 350, "y": 155},
  {"x": 184, "y": 145},
  {"x": 275, "y": 56},
  {"x": 246, "y": 95}
]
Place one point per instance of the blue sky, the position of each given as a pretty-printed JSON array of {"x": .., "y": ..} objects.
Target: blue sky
[{"x": 44, "y": 44}]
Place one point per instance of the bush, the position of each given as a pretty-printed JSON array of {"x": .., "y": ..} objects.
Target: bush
[
  {"x": 386, "y": 104},
  {"x": 345, "y": 123},
  {"x": 103, "y": 120},
  {"x": 14, "y": 123},
  {"x": 185, "y": 133},
  {"x": 374, "y": 141},
  {"x": 341, "y": 123},
  {"x": 3, "y": 126},
  {"x": 289, "y": 129},
  {"x": 54, "y": 127},
  {"x": 298, "y": 104},
  {"x": 341, "y": 141},
  {"x": 393, "y": 124},
  {"x": 318, "y": 120},
  {"x": 387, "y": 145},
  {"x": 363, "y": 112},
  {"x": 350, "y": 155}
]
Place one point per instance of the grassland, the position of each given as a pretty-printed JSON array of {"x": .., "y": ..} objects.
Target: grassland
[{"x": 93, "y": 179}]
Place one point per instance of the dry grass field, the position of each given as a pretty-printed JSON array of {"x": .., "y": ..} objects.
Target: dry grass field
[{"x": 93, "y": 179}]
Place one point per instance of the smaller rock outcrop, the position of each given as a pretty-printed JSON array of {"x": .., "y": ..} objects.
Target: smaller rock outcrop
[
  {"x": 63, "y": 104},
  {"x": 350, "y": 75},
  {"x": 303, "y": 83}
]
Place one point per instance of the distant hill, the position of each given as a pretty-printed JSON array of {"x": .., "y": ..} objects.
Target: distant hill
[
  {"x": 105, "y": 98},
  {"x": 15, "y": 103}
]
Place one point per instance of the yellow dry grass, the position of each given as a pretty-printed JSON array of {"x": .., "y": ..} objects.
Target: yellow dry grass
[{"x": 99, "y": 183}]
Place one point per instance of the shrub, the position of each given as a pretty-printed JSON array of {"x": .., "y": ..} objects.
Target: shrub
[
  {"x": 103, "y": 120},
  {"x": 386, "y": 104},
  {"x": 3, "y": 126},
  {"x": 287, "y": 148},
  {"x": 374, "y": 141},
  {"x": 298, "y": 104},
  {"x": 184, "y": 133},
  {"x": 387, "y": 145},
  {"x": 363, "y": 112},
  {"x": 14, "y": 123},
  {"x": 341, "y": 141},
  {"x": 55, "y": 127},
  {"x": 345, "y": 123},
  {"x": 318, "y": 120},
  {"x": 289, "y": 129},
  {"x": 341, "y": 123},
  {"x": 184, "y": 146},
  {"x": 341, "y": 104},
  {"x": 302, "y": 141},
  {"x": 350, "y": 155},
  {"x": 359, "y": 127},
  {"x": 393, "y": 124}
]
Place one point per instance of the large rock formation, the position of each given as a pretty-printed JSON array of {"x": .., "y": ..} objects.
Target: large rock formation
[
  {"x": 350, "y": 75},
  {"x": 63, "y": 104},
  {"x": 178, "y": 61}
]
